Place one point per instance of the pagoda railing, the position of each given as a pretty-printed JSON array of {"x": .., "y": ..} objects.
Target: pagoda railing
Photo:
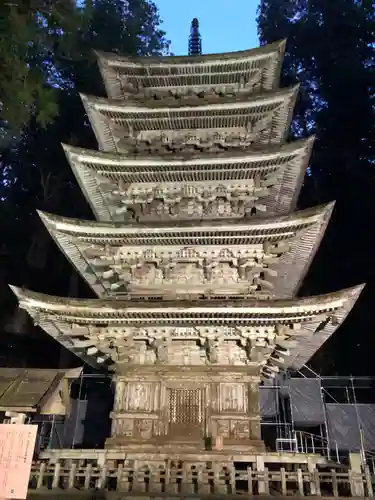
[{"x": 201, "y": 478}]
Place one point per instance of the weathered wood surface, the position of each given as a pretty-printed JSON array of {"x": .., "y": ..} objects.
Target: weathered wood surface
[{"x": 178, "y": 480}]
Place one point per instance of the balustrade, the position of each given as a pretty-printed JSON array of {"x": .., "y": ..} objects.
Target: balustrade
[{"x": 173, "y": 478}]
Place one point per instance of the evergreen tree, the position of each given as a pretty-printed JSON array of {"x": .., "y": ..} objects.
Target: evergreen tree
[
  {"x": 330, "y": 52},
  {"x": 195, "y": 39},
  {"x": 36, "y": 174},
  {"x": 30, "y": 33}
]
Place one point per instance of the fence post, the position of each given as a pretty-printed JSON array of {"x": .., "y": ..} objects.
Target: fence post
[
  {"x": 260, "y": 473},
  {"x": 301, "y": 489},
  {"x": 72, "y": 475},
  {"x": 357, "y": 475},
  {"x": 88, "y": 471},
  {"x": 56, "y": 475},
  {"x": 283, "y": 481},
  {"x": 41, "y": 471},
  {"x": 316, "y": 483},
  {"x": 311, "y": 467},
  {"x": 370, "y": 492},
  {"x": 250, "y": 480},
  {"x": 266, "y": 481},
  {"x": 335, "y": 488}
]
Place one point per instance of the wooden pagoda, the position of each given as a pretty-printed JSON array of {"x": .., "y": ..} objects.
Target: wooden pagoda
[{"x": 197, "y": 253}]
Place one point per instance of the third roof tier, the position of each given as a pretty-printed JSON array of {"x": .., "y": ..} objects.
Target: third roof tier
[{"x": 120, "y": 188}]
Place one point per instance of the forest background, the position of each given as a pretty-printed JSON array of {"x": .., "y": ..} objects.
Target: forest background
[{"x": 47, "y": 59}]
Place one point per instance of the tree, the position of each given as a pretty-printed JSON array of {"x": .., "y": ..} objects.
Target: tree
[
  {"x": 330, "y": 51},
  {"x": 36, "y": 174},
  {"x": 30, "y": 33}
]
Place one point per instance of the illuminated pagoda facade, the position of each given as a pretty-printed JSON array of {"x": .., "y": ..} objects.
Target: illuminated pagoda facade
[{"x": 197, "y": 253}]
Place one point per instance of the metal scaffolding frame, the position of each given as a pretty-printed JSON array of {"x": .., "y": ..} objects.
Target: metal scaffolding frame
[{"x": 289, "y": 436}]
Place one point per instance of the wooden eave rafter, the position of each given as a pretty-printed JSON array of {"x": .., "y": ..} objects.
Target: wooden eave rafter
[
  {"x": 109, "y": 117},
  {"x": 288, "y": 163},
  {"x": 301, "y": 232},
  {"x": 302, "y": 325},
  {"x": 187, "y": 71}
]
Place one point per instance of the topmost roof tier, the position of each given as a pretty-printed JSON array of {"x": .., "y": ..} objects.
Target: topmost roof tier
[{"x": 247, "y": 71}]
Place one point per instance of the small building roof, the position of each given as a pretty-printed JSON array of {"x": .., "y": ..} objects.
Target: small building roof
[
  {"x": 277, "y": 251},
  {"x": 93, "y": 329},
  {"x": 263, "y": 120},
  {"x": 35, "y": 390},
  {"x": 126, "y": 75},
  {"x": 280, "y": 171}
]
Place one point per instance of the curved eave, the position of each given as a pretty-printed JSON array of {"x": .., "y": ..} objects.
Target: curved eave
[
  {"x": 310, "y": 345},
  {"x": 214, "y": 58},
  {"x": 67, "y": 320},
  {"x": 303, "y": 230},
  {"x": 89, "y": 167},
  {"x": 113, "y": 67},
  {"x": 158, "y": 118},
  {"x": 106, "y": 311}
]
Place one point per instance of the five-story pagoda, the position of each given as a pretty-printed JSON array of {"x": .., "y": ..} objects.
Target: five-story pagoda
[{"x": 197, "y": 253}]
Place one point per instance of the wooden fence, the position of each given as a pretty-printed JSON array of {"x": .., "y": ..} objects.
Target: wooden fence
[{"x": 198, "y": 479}]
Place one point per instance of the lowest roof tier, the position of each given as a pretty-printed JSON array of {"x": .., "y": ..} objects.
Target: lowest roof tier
[{"x": 259, "y": 335}]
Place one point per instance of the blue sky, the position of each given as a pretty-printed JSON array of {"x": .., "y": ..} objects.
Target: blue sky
[{"x": 225, "y": 25}]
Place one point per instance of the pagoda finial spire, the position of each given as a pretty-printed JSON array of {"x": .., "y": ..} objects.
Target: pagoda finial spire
[{"x": 195, "y": 39}]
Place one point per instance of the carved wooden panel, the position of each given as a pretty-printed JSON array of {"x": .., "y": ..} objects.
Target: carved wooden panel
[
  {"x": 137, "y": 396},
  {"x": 122, "y": 427},
  {"x": 232, "y": 429},
  {"x": 186, "y": 352},
  {"x": 240, "y": 429},
  {"x": 223, "y": 428},
  {"x": 233, "y": 398},
  {"x": 143, "y": 428},
  {"x": 230, "y": 353}
]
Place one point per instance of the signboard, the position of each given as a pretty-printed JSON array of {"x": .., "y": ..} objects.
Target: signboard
[{"x": 17, "y": 443}]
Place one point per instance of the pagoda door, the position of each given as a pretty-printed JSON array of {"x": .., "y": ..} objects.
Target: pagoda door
[{"x": 186, "y": 414}]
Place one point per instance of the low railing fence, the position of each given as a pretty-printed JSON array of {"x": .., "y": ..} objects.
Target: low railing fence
[
  {"x": 305, "y": 442},
  {"x": 199, "y": 479}
]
